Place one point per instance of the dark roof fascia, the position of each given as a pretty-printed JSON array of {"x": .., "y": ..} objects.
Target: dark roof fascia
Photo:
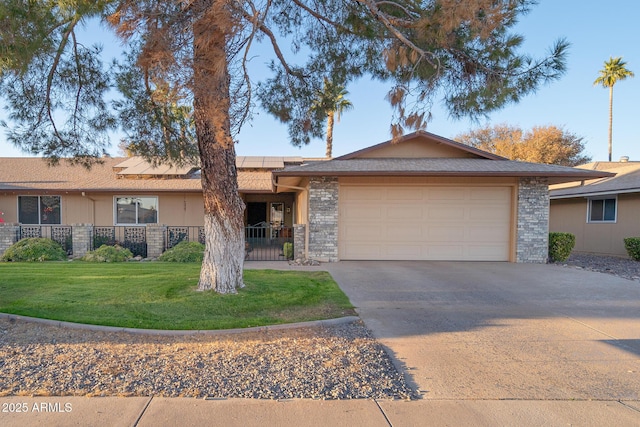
[
  {"x": 592, "y": 193},
  {"x": 437, "y": 138},
  {"x": 433, "y": 173}
]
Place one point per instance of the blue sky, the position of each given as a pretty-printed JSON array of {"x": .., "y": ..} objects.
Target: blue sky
[{"x": 596, "y": 31}]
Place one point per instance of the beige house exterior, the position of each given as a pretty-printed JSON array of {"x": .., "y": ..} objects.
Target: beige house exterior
[
  {"x": 423, "y": 197},
  {"x": 599, "y": 212},
  {"x": 91, "y": 196}
]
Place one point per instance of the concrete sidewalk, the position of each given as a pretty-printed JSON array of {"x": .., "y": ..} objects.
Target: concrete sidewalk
[{"x": 143, "y": 411}]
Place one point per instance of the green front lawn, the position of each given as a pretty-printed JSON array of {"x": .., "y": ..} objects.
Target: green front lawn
[{"x": 159, "y": 295}]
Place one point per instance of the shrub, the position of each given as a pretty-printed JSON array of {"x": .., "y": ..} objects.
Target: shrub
[
  {"x": 632, "y": 245},
  {"x": 35, "y": 249},
  {"x": 560, "y": 246},
  {"x": 287, "y": 249},
  {"x": 107, "y": 253},
  {"x": 184, "y": 252}
]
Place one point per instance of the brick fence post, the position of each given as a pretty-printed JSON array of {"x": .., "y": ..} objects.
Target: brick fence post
[
  {"x": 81, "y": 235},
  {"x": 9, "y": 233},
  {"x": 299, "y": 248},
  {"x": 155, "y": 239}
]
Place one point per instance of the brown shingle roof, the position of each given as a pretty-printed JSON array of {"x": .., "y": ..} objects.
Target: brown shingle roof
[
  {"x": 626, "y": 180},
  {"x": 33, "y": 174},
  {"x": 439, "y": 167}
]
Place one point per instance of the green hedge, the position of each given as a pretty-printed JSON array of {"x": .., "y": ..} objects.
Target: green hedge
[
  {"x": 35, "y": 249},
  {"x": 560, "y": 246},
  {"x": 632, "y": 245},
  {"x": 106, "y": 253},
  {"x": 184, "y": 252}
]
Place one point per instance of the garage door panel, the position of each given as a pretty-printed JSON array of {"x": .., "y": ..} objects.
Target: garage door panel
[
  {"x": 405, "y": 233},
  {"x": 364, "y": 193},
  {"x": 409, "y": 213},
  {"x": 486, "y": 234},
  {"x": 443, "y": 252},
  {"x": 405, "y": 194},
  {"x": 447, "y": 193},
  {"x": 444, "y": 233},
  {"x": 447, "y": 213},
  {"x": 364, "y": 213},
  {"x": 425, "y": 223},
  {"x": 486, "y": 252}
]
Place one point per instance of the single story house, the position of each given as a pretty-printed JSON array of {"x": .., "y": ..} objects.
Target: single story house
[
  {"x": 421, "y": 198},
  {"x": 599, "y": 212}
]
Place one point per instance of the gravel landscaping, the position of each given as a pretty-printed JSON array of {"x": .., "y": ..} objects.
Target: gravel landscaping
[
  {"x": 621, "y": 267},
  {"x": 335, "y": 362}
]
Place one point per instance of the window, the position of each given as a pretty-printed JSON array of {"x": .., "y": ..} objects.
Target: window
[
  {"x": 39, "y": 209},
  {"x": 136, "y": 210},
  {"x": 602, "y": 210}
]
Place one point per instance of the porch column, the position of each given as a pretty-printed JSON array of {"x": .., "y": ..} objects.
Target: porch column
[
  {"x": 155, "y": 239},
  {"x": 9, "y": 234},
  {"x": 323, "y": 219},
  {"x": 299, "y": 249},
  {"x": 81, "y": 235},
  {"x": 532, "y": 242}
]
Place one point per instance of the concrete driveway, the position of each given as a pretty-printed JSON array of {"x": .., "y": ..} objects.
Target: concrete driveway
[{"x": 502, "y": 331}]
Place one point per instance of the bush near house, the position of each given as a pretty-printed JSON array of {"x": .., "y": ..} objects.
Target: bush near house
[
  {"x": 560, "y": 246},
  {"x": 632, "y": 245},
  {"x": 35, "y": 249},
  {"x": 106, "y": 253},
  {"x": 287, "y": 250},
  {"x": 184, "y": 252}
]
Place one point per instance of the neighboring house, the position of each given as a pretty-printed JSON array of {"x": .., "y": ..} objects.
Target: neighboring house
[
  {"x": 129, "y": 191},
  {"x": 599, "y": 212},
  {"x": 424, "y": 198}
]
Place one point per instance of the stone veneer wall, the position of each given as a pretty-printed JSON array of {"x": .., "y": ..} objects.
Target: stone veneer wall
[
  {"x": 9, "y": 233},
  {"x": 323, "y": 219},
  {"x": 81, "y": 236},
  {"x": 298, "y": 241},
  {"x": 532, "y": 242}
]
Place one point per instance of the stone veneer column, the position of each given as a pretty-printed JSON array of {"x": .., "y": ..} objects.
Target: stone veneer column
[
  {"x": 532, "y": 243},
  {"x": 155, "y": 240},
  {"x": 323, "y": 219},
  {"x": 299, "y": 241},
  {"x": 9, "y": 233},
  {"x": 81, "y": 235}
]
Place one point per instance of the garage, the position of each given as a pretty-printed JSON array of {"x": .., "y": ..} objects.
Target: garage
[{"x": 440, "y": 222}]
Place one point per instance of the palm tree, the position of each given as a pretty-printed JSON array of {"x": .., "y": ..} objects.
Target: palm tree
[
  {"x": 332, "y": 102},
  {"x": 614, "y": 70}
]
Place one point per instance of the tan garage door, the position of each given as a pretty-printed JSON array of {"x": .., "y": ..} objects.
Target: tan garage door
[{"x": 424, "y": 223}]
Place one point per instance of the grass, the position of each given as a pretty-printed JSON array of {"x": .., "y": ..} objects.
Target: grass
[{"x": 163, "y": 296}]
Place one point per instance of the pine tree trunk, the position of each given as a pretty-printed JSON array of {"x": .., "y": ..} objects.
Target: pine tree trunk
[
  {"x": 224, "y": 209},
  {"x": 329, "y": 134}
]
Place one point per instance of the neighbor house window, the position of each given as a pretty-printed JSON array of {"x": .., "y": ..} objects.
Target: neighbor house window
[
  {"x": 39, "y": 209},
  {"x": 602, "y": 210},
  {"x": 136, "y": 210}
]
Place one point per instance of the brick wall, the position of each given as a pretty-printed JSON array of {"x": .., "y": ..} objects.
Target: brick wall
[
  {"x": 323, "y": 219},
  {"x": 532, "y": 243}
]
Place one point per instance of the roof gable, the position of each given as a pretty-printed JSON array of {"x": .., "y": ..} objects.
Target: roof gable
[{"x": 420, "y": 145}]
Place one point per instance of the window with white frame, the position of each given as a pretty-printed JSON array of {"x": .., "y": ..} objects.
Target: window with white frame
[
  {"x": 136, "y": 210},
  {"x": 39, "y": 210},
  {"x": 602, "y": 210}
]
